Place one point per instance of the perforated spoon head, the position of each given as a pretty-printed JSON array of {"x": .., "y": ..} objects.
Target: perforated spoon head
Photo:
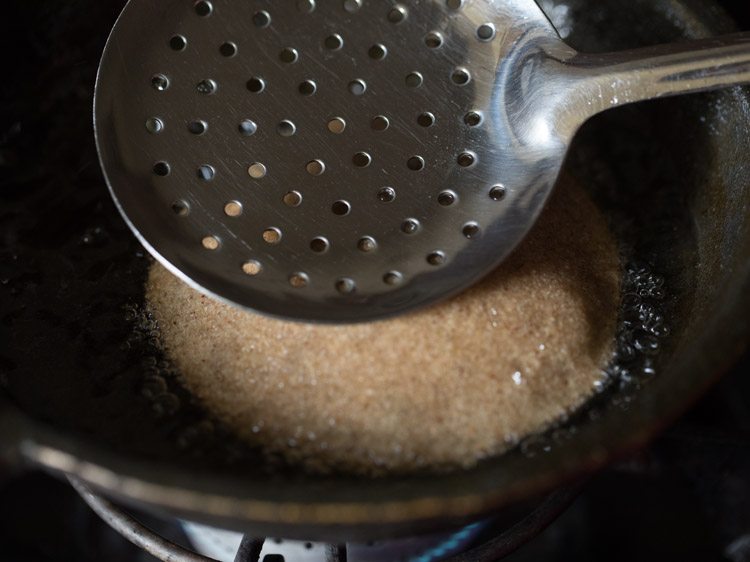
[{"x": 335, "y": 161}]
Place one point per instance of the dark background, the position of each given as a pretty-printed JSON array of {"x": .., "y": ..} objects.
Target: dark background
[{"x": 685, "y": 498}]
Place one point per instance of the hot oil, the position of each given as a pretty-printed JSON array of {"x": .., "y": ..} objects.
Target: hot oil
[
  {"x": 642, "y": 332},
  {"x": 642, "y": 326},
  {"x": 194, "y": 433}
]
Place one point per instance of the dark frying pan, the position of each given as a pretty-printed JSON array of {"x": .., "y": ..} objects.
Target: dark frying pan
[{"x": 76, "y": 357}]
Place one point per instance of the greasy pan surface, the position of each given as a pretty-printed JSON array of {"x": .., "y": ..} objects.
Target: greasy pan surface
[{"x": 75, "y": 359}]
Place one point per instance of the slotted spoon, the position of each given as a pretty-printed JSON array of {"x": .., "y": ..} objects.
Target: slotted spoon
[{"x": 348, "y": 160}]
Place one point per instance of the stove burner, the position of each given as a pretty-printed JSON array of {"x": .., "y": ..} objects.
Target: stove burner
[{"x": 479, "y": 540}]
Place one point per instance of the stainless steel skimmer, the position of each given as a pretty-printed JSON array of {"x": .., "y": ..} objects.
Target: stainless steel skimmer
[{"x": 347, "y": 160}]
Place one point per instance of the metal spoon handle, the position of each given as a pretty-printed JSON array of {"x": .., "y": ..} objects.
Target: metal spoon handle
[{"x": 615, "y": 79}]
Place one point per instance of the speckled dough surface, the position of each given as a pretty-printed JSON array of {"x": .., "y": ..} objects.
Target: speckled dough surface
[{"x": 439, "y": 388}]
